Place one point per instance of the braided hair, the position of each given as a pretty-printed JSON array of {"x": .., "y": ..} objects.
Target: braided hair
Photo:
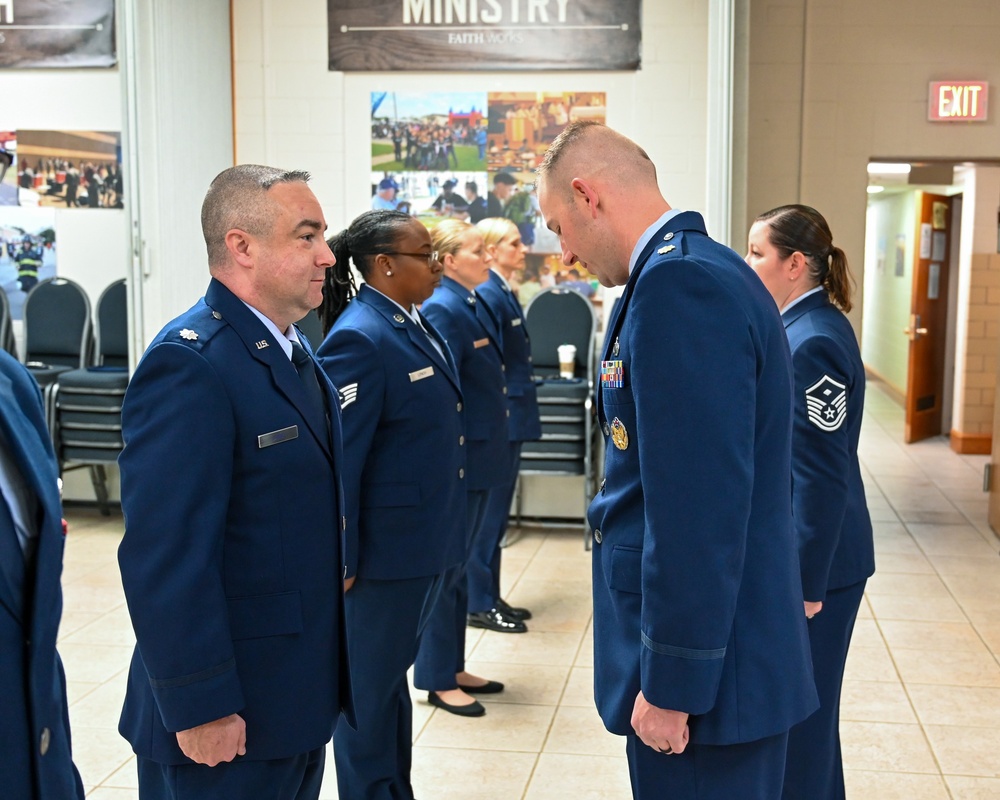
[
  {"x": 368, "y": 235},
  {"x": 802, "y": 229}
]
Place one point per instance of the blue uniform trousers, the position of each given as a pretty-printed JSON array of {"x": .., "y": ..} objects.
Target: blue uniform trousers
[
  {"x": 814, "y": 770},
  {"x": 295, "y": 778},
  {"x": 442, "y": 645},
  {"x": 746, "y": 771},
  {"x": 483, "y": 573},
  {"x": 384, "y": 623}
]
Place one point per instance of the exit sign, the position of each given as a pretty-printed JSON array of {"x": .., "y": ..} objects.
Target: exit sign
[{"x": 957, "y": 101}]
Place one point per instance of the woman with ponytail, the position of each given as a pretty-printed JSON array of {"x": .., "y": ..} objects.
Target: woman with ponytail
[
  {"x": 791, "y": 249},
  {"x": 404, "y": 479}
]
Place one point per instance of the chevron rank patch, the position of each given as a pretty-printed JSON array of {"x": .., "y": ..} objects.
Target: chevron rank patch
[
  {"x": 826, "y": 404},
  {"x": 348, "y": 394}
]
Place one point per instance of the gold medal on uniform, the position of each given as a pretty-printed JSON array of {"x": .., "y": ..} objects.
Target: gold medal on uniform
[{"x": 618, "y": 434}]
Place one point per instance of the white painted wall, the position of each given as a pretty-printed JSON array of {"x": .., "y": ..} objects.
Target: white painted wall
[
  {"x": 887, "y": 310},
  {"x": 292, "y": 112},
  {"x": 183, "y": 138}
]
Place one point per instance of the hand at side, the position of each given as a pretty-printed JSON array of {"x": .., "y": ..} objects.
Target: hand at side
[
  {"x": 215, "y": 742},
  {"x": 660, "y": 728}
]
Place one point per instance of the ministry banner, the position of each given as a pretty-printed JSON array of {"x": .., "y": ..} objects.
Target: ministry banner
[
  {"x": 57, "y": 34},
  {"x": 463, "y": 35}
]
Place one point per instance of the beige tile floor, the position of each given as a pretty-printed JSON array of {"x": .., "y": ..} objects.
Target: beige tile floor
[{"x": 921, "y": 708}]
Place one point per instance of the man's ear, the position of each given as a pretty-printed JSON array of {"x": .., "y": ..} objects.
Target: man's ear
[
  {"x": 584, "y": 192},
  {"x": 241, "y": 247}
]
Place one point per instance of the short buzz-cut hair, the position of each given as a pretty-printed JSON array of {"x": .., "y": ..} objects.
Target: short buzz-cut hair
[
  {"x": 629, "y": 153},
  {"x": 237, "y": 198}
]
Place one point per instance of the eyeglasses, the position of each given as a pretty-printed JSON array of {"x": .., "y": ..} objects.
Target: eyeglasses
[{"x": 431, "y": 256}]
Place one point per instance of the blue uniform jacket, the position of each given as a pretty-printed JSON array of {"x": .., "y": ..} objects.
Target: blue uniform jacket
[
  {"x": 522, "y": 395},
  {"x": 697, "y": 599},
  {"x": 832, "y": 524},
  {"x": 233, "y": 555},
  {"x": 34, "y": 712},
  {"x": 403, "y": 441},
  {"x": 476, "y": 350}
]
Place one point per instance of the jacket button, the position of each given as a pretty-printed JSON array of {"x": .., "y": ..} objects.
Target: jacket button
[
  {"x": 503, "y": 367},
  {"x": 505, "y": 390},
  {"x": 43, "y": 743},
  {"x": 459, "y": 407},
  {"x": 597, "y": 537},
  {"x": 461, "y": 473},
  {"x": 461, "y": 440}
]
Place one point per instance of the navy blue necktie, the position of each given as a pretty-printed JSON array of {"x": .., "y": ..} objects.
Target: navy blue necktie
[{"x": 306, "y": 368}]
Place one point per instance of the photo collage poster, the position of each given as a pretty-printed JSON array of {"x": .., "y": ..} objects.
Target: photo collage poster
[
  {"x": 62, "y": 169},
  {"x": 470, "y": 155}
]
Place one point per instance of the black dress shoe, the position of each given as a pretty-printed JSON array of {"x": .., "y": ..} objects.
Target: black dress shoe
[
  {"x": 496, "y": 620},
  {"x": 473, "y": 709},
  {"x": 513, "y": 611},
  {"x": 490, "y": 687}
]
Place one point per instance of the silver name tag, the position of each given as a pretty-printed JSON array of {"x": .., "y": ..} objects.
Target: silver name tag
[
  {"x": 515, "y": 322},
  {"x": 277, "y": 437},
  {"x": 420, "y": 374}
]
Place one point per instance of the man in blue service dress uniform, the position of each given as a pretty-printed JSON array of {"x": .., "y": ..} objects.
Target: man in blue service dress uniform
[
  {"x": 35, "y": 759},
  {"x": 233, "y": 557},
  {"x": 701, "y": 651}
]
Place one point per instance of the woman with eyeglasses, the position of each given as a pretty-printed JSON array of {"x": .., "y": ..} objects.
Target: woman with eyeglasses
[
  {"x": 474, "y": 340},
  {"x": 791, "y": 249},
  {"x": 404, "y": 480}
]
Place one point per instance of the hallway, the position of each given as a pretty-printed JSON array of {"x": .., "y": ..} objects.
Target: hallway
[{"x": 921, "y": 709}]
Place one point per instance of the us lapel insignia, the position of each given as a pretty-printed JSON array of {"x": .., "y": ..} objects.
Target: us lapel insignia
[
  {"x": 188, "y": 334},
  {"x": 216, "y": 315},
  {"x": 262, "y": 344},
  {"x": 398, "y": 317},
  {"x": 618, "y": 434},
  {"x": 470, "y": 300}
]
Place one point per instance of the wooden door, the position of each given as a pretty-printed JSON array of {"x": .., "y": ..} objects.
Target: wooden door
[{"x": 927, "y": 327}]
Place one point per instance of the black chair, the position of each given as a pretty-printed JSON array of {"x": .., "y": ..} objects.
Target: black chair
[
  {"x": 57, "y": 334},
  {"x": 7, "y": 341},
  {"x": 88, "y": 401},
  {"x": 111, "y": 328},
  {"x": 558, "y": 316}
]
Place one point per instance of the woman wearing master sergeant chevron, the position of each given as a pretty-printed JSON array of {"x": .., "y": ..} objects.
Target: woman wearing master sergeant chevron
[{"x": 791, "y": 249}]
